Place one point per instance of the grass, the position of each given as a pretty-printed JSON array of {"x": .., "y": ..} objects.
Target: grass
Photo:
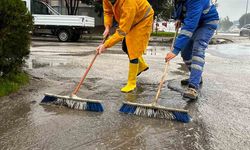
[
  {"x": 12, "y": 83},
  {"x": 163, "y": 34}
]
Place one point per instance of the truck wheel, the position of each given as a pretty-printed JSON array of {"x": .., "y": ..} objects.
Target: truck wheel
[
  {"x": 64, "y": 35},
  {"x": 75, "y": 37}
]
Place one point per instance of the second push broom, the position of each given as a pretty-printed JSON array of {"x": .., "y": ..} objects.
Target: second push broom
[{"x": 155, "y": 110}]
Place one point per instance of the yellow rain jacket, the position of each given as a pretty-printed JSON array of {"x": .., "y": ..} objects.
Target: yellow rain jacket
[{"x": 135, "y": 19}]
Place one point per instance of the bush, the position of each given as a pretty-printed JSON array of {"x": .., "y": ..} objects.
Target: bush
[
  {"x": 163, "y": 34},
  {"x": 15, "y": 26},
  {"x": 244, "y": 19}
]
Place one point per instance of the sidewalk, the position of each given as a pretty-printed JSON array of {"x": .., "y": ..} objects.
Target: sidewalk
[
  {"x": 152, "y": 38},
  {"x": 217, "y": 39}
]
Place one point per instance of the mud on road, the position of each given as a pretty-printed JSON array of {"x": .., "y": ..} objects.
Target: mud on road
[{"x": 219, "y": 117}]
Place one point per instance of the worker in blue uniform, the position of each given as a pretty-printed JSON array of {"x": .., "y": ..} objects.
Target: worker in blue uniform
[{"x": 198, "y": 20}]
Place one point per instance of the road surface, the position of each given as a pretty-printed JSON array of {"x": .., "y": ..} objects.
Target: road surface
[{"x": 220, "y": 118}]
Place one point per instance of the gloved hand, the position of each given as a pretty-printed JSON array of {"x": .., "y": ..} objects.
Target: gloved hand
[
  {"x": 106, "y": 32},
  {"x": 100, "y": 49},
  {"x": 169, "y": 56}
]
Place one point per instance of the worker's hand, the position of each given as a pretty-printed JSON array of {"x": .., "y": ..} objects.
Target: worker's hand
[
  {"x": 106, "y": 32},
  {"x": 177, "y": 24},
  {"x": 169, "y": 56},
  {"x": 100, "y": 49}
]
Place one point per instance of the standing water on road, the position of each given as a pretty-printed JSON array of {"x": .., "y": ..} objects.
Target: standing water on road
[{"x": 219, "y": 117}]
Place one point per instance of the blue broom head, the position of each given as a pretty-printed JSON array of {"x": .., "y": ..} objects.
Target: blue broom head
[
  {"x": 48, "y": 99},
  {"x": 155, "y": 113},
  {"x": 128, "y": 109},
  {"x": 94, "y": 106},
  {"x": 182, "y": 117}
]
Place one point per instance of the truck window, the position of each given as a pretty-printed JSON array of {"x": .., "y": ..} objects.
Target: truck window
[{"x": 39, "y": 8}]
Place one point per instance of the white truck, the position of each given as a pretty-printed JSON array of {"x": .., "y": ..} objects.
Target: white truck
[{"x": 47, "y": 21}]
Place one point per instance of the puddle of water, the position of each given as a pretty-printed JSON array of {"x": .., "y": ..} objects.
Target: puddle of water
[
  {"x": 47, "y": 127},
  {"x": 51, "y": 127},
  {"x": 231, "y": 50},
  {"x": 156, "y": 50},
  {"x": 46, "y": 62}
]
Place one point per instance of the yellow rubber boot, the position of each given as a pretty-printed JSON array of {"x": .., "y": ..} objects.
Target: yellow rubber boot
[
  {"x": 143, "y": 66},
  {"x": 132, "y": 74}
]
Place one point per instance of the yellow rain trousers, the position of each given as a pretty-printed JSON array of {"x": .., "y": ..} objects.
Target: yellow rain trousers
[{"x": 135, "y": 19}]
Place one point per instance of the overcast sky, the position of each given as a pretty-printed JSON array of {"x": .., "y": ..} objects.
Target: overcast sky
[{"x": 234, "y": 9}]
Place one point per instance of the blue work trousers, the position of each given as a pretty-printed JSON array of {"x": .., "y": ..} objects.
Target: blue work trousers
[{"x": 194, "y": 53}]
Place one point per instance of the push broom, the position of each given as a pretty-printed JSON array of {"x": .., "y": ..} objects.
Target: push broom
[
  {"x": 154, "y": 110},
  {"x": 74, "y": 101}
]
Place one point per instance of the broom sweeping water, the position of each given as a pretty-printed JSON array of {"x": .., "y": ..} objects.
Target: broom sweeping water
[
  {"x": 155, "y": 110},
  {"x": 74, "y": 101}
]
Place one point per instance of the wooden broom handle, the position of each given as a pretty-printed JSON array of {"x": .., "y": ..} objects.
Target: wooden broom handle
[
  {"x": 87, "y": 71},
  {"x": 165, "y": 74}
]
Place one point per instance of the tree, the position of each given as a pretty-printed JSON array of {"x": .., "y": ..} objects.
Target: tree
[
  {"x": 163, "y": 8},
  {"x": 225, "y": 24},
  {"x": 98, "y": 7},
  {"x": 72, "y": 6},
  {"x": 15, "y": 26},
  {"x": 97, "y": 4},
  {"x": 244, "y": 19}
]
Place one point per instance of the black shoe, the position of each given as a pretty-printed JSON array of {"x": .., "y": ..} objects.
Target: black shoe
[
  {"x": 191, "y": 94},
  {"x": 185, "y": 82}
]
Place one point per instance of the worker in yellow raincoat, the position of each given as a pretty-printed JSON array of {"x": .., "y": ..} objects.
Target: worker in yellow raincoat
[{"x": 135, "y": 19}]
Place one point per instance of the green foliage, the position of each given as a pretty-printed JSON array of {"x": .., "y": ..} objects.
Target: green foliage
[
  {"x": 163, "y": 34},
  {"x": 98, "y": 7},
  {"x": 97, "y": 4},
  {"x": 72, "y": 6},
  {"x": 15, "y": 26},
  {"x": 12, "y": 83},
  {"x": 163, "y": 8},
  {"x": 244, "y": 19},
  {"x": 225, "y": 24}
]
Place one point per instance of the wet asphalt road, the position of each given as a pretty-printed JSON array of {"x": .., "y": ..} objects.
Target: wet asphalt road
[{"x": 220, "y": 118}]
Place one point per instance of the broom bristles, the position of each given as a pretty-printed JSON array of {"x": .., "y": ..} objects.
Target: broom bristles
[
  {"x": 73, "y": 102},
  {"x": 148, "y": 110}
]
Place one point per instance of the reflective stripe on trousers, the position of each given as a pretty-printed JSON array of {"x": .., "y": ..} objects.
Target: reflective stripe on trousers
[{"x": 195, "y": 52}]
